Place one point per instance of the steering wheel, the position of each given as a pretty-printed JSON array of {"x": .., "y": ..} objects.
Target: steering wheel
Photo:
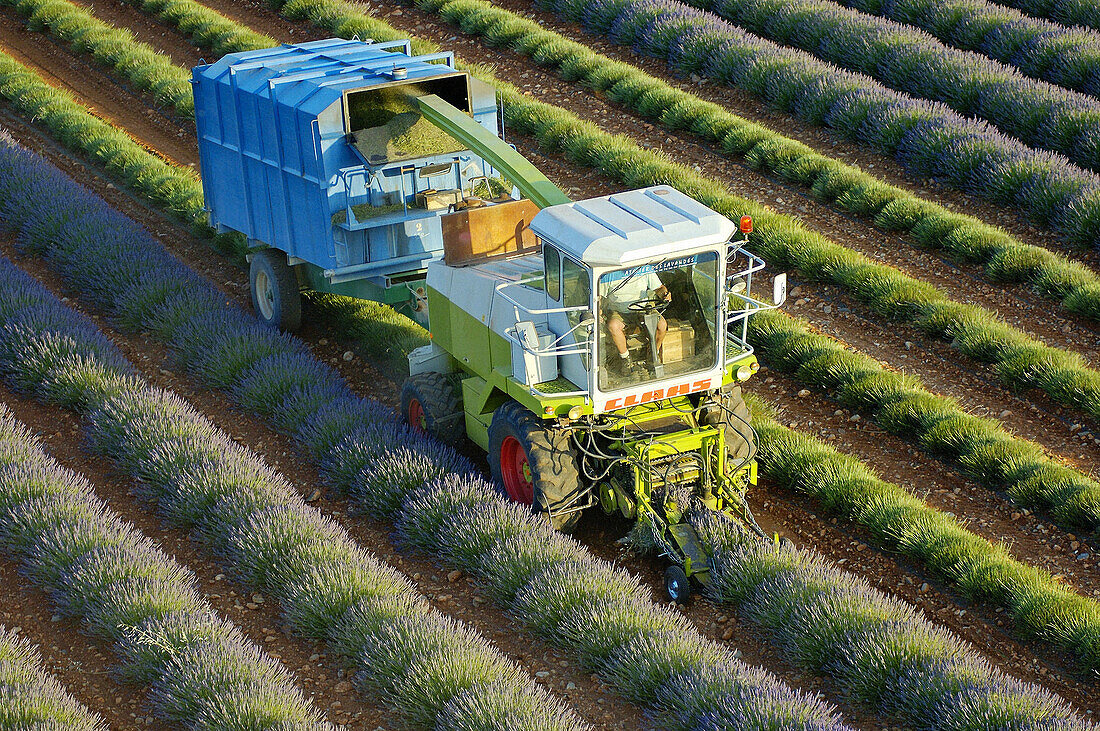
[{"x": 648, "y": 305}]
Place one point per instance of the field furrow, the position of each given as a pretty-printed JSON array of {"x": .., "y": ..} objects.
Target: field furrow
[
  {"x": 467, "y": 543},
  {"x": 200, "y": 327},
  {"x": 210, "y": 349},
  {"x": 157, "y": 132}
]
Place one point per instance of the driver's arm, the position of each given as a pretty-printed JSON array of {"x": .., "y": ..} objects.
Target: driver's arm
[{"x": 658, "y": 290}]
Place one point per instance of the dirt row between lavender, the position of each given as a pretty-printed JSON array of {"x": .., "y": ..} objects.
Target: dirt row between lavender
[
  {"x": 782, "y": 512},
  {"x": 1017, "y": 667},
  {"x": 952, "y": 375},
  {"x": 449, "y": 592},
  {"x": 80, "y": 662},
  {"x": 821, "y": 139},
  {"x": 1037, "y": 419}
]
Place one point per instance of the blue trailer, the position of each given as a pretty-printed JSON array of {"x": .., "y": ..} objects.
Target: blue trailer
[{"x": 321, "y": 155}]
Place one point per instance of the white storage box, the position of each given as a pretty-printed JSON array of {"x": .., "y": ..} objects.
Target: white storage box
[{"x": 530, "y": 368}]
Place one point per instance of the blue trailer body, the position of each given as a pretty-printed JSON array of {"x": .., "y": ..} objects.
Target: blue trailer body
[{"x": 280, "y": 162}]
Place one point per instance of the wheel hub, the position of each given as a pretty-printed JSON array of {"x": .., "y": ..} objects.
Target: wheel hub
[
  {"x": 265, "y": 294},
  {"x": 417, "y": 418},
  {"x": 516, "y": 471}
]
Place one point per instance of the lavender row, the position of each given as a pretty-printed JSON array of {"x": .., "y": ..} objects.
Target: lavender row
[
  {"x": 32, "y": 698},
  {"x": 203, "y": 672},
  {"x": 1069, "y": 57},
  {"x": 1085, "y": 13},
  {"x": 272, "y": 374},
  {"x": 550, "y": 582},
  {"x": 436, "y": 671},
  {"x": 911, "y": 61},
  {"x": 877, "y": 648},
  {"x": 928, "y": 138}
]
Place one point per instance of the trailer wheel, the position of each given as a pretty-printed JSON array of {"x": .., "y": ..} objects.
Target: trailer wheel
[
  {"x": 430, "y": 403},
  {"x": 536, "y": 465},
  {"x": 276, "y": 297}
]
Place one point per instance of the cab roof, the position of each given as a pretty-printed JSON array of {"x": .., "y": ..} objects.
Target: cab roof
[{"x": 629, "y": 228}]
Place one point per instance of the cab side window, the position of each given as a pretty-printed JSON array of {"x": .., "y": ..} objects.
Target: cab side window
[
  {"x": 574, "y": 285},
  {"x": 553, "y": 272}
]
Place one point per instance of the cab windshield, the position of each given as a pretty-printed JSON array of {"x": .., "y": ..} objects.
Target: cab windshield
[{"x": 657, "y": 321}]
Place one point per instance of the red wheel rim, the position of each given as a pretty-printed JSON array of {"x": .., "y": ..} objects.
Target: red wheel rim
[
  {"x": 417, "y": 419},
  {"x": 516, "y": 472}
]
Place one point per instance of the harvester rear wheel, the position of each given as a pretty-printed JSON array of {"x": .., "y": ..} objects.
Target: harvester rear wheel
[
  {"x": 430, "y": 403},
  {"x": 536, "y": 465},
  {"x": 276, "y": 297}
]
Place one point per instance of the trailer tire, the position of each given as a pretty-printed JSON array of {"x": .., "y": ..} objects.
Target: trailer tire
[
  {"x": 740, "y": 438},
  {"x": 431, "y": 403},
  {"x": 677, "y": 585},
  {"x": 276, "y": 296},
  {"x": 536, "y": 465}
]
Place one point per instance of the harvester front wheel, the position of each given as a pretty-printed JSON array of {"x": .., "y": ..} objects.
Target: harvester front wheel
[
  {"x": 740, "y": 438},
  {"x": 276, "y": 297},
  {"x": 677, "y": 584},
  {"x": 536, "y": 465},
  {"x": 430, "y": 403}
]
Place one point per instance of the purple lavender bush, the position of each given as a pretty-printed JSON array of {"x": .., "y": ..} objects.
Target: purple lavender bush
[
  {"x": 911, "y": 61},
  {"x": 879, "y": 649},
  {"x": 98, "y": 565},
  {"x": 1069, "y": 57}
]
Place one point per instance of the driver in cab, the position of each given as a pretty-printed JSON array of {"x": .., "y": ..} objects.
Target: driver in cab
[{"x": 627, "y": 301}]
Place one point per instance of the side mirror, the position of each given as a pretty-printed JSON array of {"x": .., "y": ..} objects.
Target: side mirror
[{"x": 779, "y": 289}]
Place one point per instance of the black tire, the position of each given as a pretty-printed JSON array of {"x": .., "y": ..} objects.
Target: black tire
[
  {"x": 677, "y": 585},
  {"x": 740, "y": 438},
  {"x": 276, "y": 296},
  {"x": 555, "y": 479},
  {"x": 441, "y": 407}
]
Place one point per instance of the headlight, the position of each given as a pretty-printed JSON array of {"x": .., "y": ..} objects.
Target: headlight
[
  {"x": 576, "y": 412},
  {"x": 744, "y": 373}
]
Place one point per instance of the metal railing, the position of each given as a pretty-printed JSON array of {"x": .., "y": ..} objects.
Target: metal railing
[
  {"x": 737, "y": 320},
  {"x": 556, "y": 348}
]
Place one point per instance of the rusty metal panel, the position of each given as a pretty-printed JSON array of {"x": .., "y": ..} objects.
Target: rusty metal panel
[{"x": 476, "y": 234}]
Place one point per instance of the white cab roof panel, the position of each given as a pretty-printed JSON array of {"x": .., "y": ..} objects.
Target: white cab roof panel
[{"x": 626, "y": 228}]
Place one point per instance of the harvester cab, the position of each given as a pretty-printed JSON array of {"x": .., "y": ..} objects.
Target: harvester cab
[{"x": 595, "y": 349}]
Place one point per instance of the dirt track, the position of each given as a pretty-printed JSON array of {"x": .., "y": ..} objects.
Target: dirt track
[{"x": 941, "y": 367}]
